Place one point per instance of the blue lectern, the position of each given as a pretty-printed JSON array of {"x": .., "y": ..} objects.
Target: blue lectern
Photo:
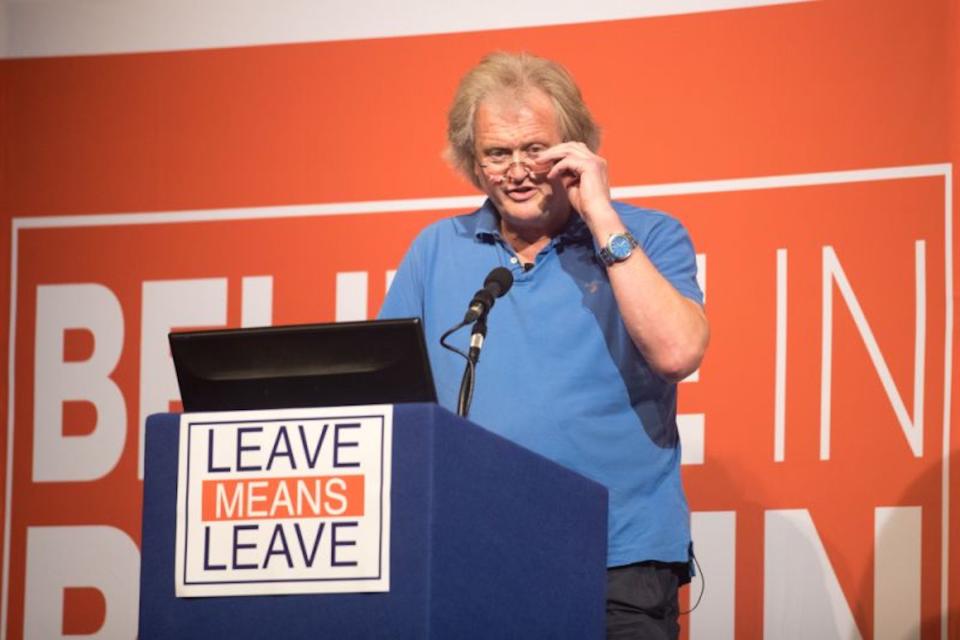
[{"x": 488, "y": 540}]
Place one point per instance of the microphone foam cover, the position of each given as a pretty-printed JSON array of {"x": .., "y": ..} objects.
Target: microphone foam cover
[{"x": 501, "y": 279}]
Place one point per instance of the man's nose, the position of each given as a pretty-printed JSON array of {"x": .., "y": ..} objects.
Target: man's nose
[{"x": 517, "y": 170}]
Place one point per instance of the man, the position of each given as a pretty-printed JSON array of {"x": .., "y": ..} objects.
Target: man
[{"x": 604, "y": 318}]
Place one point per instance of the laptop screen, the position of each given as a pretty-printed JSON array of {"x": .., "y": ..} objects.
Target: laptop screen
[{"x": 316, "y": 365}]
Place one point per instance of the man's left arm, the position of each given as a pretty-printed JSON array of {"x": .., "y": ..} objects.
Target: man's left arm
[{"x": 667, "y": 327}]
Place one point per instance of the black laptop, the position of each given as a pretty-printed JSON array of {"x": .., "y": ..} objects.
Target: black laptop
[{"x": 314, "y": 365}]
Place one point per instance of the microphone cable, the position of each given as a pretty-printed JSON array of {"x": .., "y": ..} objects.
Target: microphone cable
[
  {"x": 469, "y": 371},
  {"x": 703, "y": 584}
]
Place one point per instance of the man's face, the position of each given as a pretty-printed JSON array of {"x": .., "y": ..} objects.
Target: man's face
[{"x": 506, "y": 127}]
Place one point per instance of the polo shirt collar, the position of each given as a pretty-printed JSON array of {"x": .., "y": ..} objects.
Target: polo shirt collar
[
  {"x": 488, "y": 227},
  {"x": 488, "y": 222}
]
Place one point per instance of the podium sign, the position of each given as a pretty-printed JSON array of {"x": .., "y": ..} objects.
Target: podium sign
[{"x": 284, "y": 501}]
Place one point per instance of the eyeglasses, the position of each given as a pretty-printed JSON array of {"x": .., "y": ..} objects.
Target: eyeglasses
[{"x": 498, "y": 162}]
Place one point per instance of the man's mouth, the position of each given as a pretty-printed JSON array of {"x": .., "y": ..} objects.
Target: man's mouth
[{"x": 521, "y": 194}]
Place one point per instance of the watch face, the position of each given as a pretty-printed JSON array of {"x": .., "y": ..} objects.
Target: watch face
[{"x": 620, "y": 247}]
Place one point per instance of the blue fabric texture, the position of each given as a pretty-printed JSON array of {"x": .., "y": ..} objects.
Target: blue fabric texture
[{"x": 558, "y": 373}]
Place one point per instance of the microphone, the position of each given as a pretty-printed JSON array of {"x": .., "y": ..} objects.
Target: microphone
[{"x": 498, "y": 282}]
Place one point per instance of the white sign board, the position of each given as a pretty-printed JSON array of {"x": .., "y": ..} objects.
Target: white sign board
[{"x": 284, "y": 501}]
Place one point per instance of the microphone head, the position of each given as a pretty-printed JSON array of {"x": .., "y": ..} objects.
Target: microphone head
[{"x": 498, "y": 281}]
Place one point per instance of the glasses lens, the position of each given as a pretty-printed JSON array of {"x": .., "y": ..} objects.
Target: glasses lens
[
  {"x": 529, "y": 160},
  {"x": 534, "y": 163}
]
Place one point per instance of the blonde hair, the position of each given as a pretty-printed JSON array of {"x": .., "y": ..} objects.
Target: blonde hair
[{"x": 515, "y": 72}]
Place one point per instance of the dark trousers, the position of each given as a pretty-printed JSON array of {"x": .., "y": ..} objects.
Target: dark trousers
[{"x": 642, "y": 600}]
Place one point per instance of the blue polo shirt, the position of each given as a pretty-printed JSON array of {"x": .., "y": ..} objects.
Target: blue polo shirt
[{"x": 558, "y": 373}]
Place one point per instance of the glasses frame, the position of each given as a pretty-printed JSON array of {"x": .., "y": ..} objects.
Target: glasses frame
[{"x": 518, "y": 157}]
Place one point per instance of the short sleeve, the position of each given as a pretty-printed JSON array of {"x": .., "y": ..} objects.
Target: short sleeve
[
  {"x": 404, "y": 298},
  {"x": 669, "y": 247}
]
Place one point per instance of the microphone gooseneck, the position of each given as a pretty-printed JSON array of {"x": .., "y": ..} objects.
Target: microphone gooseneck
[{"x": 496, "y": 284}]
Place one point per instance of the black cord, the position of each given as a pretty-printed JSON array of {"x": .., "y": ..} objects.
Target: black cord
[
  {"x": 703, "y": 584},
  {"x": 466, "y": 383},
  {"x": 466, "y": 389}
]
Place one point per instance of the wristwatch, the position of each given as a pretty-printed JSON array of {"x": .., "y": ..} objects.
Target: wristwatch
[{"x": 619, "y": 247}]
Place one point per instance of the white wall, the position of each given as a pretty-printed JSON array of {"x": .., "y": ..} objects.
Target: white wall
[{"x": 72, "y": 27}]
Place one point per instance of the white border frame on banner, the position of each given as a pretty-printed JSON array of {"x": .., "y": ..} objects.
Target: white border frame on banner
[{"x": 944, "y": 171}]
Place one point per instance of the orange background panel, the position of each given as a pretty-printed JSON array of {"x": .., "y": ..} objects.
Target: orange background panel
[
  {"x": 824, "y": 86},
  {"x": 795, "y": 88}
]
